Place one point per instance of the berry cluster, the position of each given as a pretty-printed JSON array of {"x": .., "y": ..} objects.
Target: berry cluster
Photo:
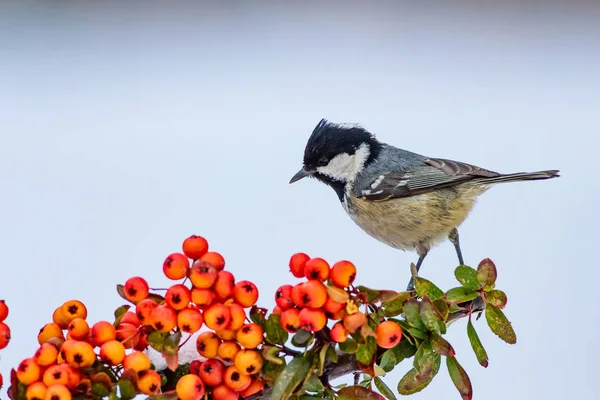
[
  {"x": 4, "y": 330},
  {"x": 327, "y": 294}
]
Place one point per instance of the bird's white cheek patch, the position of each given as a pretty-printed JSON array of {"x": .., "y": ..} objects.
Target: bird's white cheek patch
[{"x": 345, "y": 167}]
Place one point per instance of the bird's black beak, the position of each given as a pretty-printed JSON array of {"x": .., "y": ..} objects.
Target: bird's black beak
[{"x": 303, "y": 173}]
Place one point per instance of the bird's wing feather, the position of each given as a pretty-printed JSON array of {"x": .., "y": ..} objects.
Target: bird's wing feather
[{"x": 431, "y": 174}]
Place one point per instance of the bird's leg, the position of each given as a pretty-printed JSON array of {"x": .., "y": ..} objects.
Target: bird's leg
[
  {"x": 422, "y": 254},
  {"x": 453, "y": 237}
]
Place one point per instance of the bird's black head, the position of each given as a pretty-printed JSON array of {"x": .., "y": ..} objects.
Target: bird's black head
[{"x": 336, "y": 154}]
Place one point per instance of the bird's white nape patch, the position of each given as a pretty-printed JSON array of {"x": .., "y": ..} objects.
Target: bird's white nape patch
[{"x": 345, "y": 167}]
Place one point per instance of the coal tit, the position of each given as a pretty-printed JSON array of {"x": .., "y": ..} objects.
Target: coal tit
[{"x": 403, "y": 199}]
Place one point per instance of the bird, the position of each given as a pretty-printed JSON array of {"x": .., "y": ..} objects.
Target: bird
[{"x": 403, "y": 199}]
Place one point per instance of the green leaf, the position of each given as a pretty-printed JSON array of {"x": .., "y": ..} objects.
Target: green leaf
[
  {"x": 431, "y": 317},
  {"x": 119, "y": 313},
  {"x": 257, "y": 315},
  {"x": 170, "y": 395},
  {"x": 366, "y": 352},
  {"x": 332, "y": 355},
  {"x": 275, "y": 332},
  {"x": 499, "y": 324},
  {"x": 441, "y": 346},
  {"x": 156, "y": 297},
  {"x": 442, "y": 307},
  {"x": 270, "y": 353},
  {"x": 496, "y": 298},
  {"x": 459, "y": 378},
  {"x": 100, "y": 390},
  {"x": 272, "y": 370},
  {"x": 418, "y": 333},
  {"x": 313, "y": 384},
  {"x": 467, "y": 277},
  {"x": 403, "y": 350},
  {"x": 384, "y": 389},
  {"x": 426, "y": 366},
  {"x": 427, "y": 288},
  {"x": 388, "y": 360},
  {"x": 480, "y": 352},
  {"x": 126, "y": 389},
  {"x": 411, "y": 312},
  {"x": 291, "y": 377},
  {"x": 121, "y": 292},
  {"x": 322, "y": 358},
  {"x": 358, "y": 393},
  {"x": 171, "y": 343},
  {"x": 394, "y": 307},
  {"x": 487, "y": 273},
  {"x": 349, "y": 346},
  {"x": 372, "y": 294},
  {"x": 302, "y": 338},
  {"x": 460, "y": 295},
  {"x": 157, "y": 340}
]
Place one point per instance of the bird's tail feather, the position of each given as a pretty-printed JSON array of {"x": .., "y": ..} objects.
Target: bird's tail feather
[{"x": 522, "y": 176}]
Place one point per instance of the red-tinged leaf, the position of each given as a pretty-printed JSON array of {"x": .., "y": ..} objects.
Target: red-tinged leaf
[
  {"x": 499, "y": 324},
  {"x": 369, "y": 294},
  {"x": 358, "y": 393},
  {"x": 425, "y": 287},
  {"x": 487, "y": 273},
  {"x": 480, "y": 352},
  {"x": 367, "y": 369},
  {"x": 426, "y": 366},
  {"x": 156, "y": 297},
  {"x": 388, "y": 295},
  {"x": 496, "y": 298},
  {"x": 459, "y": 378},
  {"x": 172, "y": 361},
  {"x": 441, "y": 346},
  {"x": 337, "y": 294},
  {"x": 431, "y": 317},
  {"x": 121, "y": 292}
]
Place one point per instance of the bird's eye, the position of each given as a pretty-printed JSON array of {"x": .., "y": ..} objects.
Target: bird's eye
[{"x": 323, "y": 161}]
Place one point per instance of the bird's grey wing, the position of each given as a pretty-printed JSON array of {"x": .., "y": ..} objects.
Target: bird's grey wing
[{"x": 431, "y": 174}]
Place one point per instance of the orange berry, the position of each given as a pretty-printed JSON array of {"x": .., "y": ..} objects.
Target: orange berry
[
  {"x": 189, "y": 320},
  {"x": 203, "y": 275},
  {"x": 131, "y": 318},
  {"x": 202, "y": 297},
  {"x": 283, "y": 297},
  {"x": 250, "y": 336},
  {"x": 212, "y": 371},
  {"x": 74, "y": 309},
  {"x": 136, "y": 361},
  {"x": 128, "y": 334},
  {"x": 149, "y": 382},
  {"x": 217, "y": 316},
  {"x": 56, "y": 375},
  {"x": 163, "y": 318},
  {"x": 317, "y": 268},
  {"x": 297, "y": 264},
  {"x": 332, "y": 307},
  {"x": 102, "y": 332},
  {"x": 388, "y": 334},
  {"x": 143, "y": 309},
  {"x": 79, "y": 329},
  {"x": 189, "y": 387},
  {"x": 80, "y": 355},
  {"x": 311, "y": 294},
  {"x": 342, "y": 274},
  {"x": 3, "y": 310},
  {"x": 290, "y": 320},
  {"x": 226, "y": 334},
  {"x": 235, "y": 380},
  {"x": 28, "y": 371},
  {"x": 5, "y": 335},
  {"x": 60, "y": 318},
  {"x": 245, "y": 293},
  {"x": 46, "y": 355},
  {"x": 178, "y": 297},
  {"x": 256, "y": 386},
  {"x": 276, "y": 310},
  {"x": 136, "y": 289},
  {"x": 215, "y": 259},
  {"x": 223, "y": 392},
  {"x": 338, "y": 333},
  {"x": 195, "y": 247},
  {"x": 237, "y": 316},
  {"x": 35, "y": 391},
  {"x": 112, "y": 352},
  {"x": 227, "y": 350},
  {"x": 207, "y": 344},
  {"x": 62, "y": 352},
  {"x": 49, "y": 331},
  {"x": 312, "y": 320},
  {"x": 58, "y": 392},
  {"x": 224, "y": 285},
  {"x": 176, "y": 266},
  {"x": 353, "y": 322},
  {"x": 248, "y": 362}
]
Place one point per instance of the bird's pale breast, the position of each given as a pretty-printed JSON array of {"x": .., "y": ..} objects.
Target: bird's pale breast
[{"x": 421, "y": 220}]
